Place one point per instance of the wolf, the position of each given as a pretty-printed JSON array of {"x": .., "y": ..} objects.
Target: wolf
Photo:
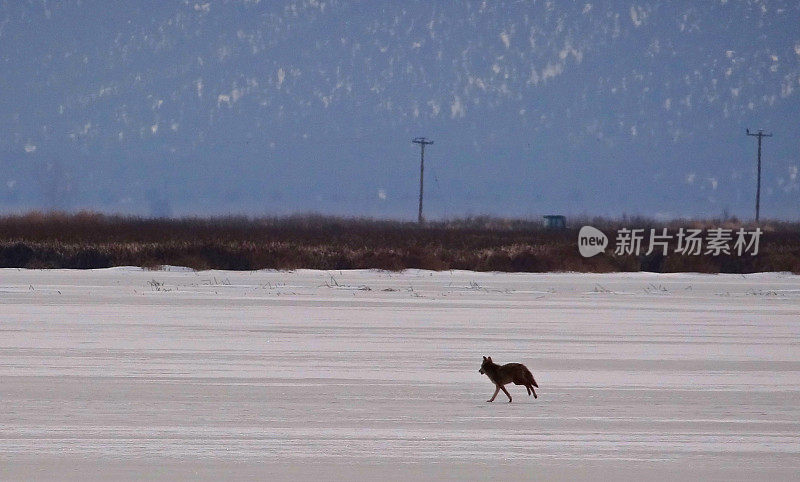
[{"x": 510, "y": 372}]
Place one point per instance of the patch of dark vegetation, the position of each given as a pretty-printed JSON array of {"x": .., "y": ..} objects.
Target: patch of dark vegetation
[{"x": 89, "y": 240}]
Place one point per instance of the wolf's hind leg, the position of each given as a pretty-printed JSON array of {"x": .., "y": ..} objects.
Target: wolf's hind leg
[{"x": 530, "y": 379}]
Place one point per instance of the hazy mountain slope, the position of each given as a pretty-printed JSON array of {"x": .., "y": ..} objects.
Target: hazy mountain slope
[{"x": 270, "y": 107}]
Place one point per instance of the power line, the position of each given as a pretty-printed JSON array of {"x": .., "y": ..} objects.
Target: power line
[
  {"x": 422, "y": 141},
  {"x": 760, "y": 134}
]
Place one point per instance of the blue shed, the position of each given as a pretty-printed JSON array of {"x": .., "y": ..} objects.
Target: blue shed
[{"x": 555, "y": 221}]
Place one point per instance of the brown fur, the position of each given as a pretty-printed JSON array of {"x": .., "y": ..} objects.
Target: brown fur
[{"x": 510, "y": 372}]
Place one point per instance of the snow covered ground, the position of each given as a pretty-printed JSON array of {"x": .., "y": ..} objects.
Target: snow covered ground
[{"x": 125, "y": 374}]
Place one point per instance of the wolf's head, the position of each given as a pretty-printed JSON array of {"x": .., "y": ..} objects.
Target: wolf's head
[{"x": 486, "y": 362}]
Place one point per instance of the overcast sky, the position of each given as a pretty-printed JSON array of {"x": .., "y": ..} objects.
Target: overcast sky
[{"x": 269, "y": 108}]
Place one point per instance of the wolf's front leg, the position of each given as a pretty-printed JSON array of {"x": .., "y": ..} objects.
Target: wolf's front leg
[
  {"x": 496, "y": 391},
  {"x": 506, "y": 392}
]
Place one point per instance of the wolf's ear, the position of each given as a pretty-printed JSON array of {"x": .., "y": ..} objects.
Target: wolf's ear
[
  {"x": 490, "y": 359},
  {"x": 484, "y": 358}
]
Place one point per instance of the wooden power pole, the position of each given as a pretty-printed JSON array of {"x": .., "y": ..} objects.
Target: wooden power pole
[
  {"x": 760, "y": 134},
  {"x": 422, "y": 143}
]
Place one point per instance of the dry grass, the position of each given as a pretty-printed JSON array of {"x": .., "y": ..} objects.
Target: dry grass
[{"x": 89, "y": 240}]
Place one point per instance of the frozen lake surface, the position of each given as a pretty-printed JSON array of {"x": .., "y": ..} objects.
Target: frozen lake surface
[{"x": 130, "y": 374}]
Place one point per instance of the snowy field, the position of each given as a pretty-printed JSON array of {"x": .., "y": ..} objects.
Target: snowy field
[{"x": 130, "y": 374}]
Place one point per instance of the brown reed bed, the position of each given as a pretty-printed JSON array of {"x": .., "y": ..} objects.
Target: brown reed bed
[{"x": 90, "y": 240}]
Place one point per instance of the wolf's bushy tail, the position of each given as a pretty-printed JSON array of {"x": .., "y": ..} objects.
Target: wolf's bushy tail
[
  {"x": 531, "y": 382},
  {"x": 530, "y": 378}
]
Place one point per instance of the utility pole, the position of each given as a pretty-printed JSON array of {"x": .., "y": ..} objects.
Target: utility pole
[
  {"x": 422, "y": 143},
  {"x": 760, "y": 134}
]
